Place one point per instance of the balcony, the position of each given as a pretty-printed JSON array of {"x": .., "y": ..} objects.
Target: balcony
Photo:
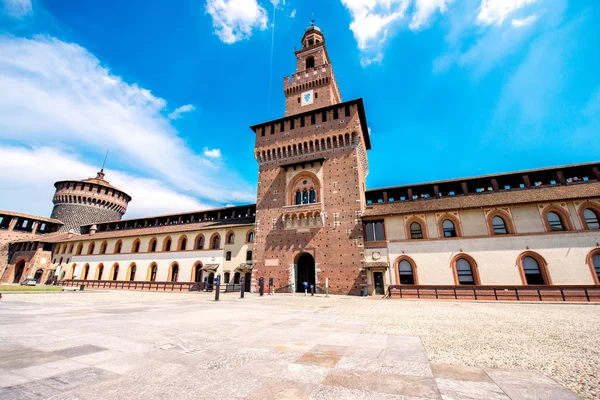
[{"x": 303, "y": 216}]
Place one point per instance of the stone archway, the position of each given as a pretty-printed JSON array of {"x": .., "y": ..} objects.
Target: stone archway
[
  {"x": 305, "y": 272},
  {"x": 19, "y": 268},
  {"x": 38, "y": 275}
]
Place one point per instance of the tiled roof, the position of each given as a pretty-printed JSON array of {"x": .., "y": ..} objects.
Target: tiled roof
[
  {"x": 206, "y": 210},
  {"x": 45, "y": 238},
  {"x": 486, "y": 199},
  {"x": 29, "y": 216},
  {"x": 175, "y": 228}
]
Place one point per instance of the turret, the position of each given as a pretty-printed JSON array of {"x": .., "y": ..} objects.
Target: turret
[{"x": 88, "y": 201}]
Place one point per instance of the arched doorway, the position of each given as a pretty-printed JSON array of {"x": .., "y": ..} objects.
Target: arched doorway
[
  {"x": 305, "y": 272},
  {"x": 174, "y": 272},
  {"x": 86, "y": 272},
  {"x": 236, "y": 278},
  {"x": 19, "y": 271},
  {"x": 38, "y": 275},
  {"x": 211, "y": 278}
]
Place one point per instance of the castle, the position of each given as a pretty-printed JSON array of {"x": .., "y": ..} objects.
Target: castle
[{"x": 315, "y": 221}]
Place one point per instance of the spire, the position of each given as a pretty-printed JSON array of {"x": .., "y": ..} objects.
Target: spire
[{"x": 101, "y": 174}]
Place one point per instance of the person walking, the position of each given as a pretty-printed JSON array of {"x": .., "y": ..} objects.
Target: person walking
[{"x": 305, "y": 288}]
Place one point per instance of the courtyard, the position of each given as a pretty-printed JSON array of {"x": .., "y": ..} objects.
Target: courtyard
[{"x": 141, "y": 345}]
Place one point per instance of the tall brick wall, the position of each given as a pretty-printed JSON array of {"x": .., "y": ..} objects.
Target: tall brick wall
[{"x": 7, "y": 236}]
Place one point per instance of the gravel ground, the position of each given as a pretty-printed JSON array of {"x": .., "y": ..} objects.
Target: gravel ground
[{"x": 561, "y": 340}]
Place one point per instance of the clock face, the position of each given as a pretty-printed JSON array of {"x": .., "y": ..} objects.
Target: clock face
[{"x": 307, "y": 98}]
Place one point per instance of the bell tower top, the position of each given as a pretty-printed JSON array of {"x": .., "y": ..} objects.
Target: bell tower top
[{"x": 313, "y": 86}]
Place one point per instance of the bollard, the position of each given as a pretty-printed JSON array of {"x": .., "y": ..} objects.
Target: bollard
[
  {"x": 218, "y": 286},
  {"x": 312, "y": 290},
  {"x": 242, "y": 288},
  {"x": 261, "y": 285}
]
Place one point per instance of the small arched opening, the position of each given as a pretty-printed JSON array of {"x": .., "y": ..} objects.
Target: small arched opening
[
  {"x": 305, "y": 271},
  {"x": 19, "y": 271}
]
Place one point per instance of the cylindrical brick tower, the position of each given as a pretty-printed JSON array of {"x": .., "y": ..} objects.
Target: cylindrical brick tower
[{"x": 89, "y": 201}]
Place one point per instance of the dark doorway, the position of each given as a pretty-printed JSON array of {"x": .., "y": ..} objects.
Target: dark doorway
[
  {"x": 211, "y": 278},
  {"x": 198, "y": 273},
  {"x": 305, "y": 272},
  {"x": 19, "y": 271},
  {"x": 236, "y": 278},
  {"x": 378, "y": 279},
  {"x": 247, "y": 281},
  {"x": 38, "y": 275}
]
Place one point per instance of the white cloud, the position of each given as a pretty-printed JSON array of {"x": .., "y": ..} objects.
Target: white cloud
[
  {"x": 524, "y": 21},
  {"x": 181, "y": 110},
  {"x": 376, "y": 59},
  {"x": 372, "y": 18},
  {"x": 496, "y": 11},
  {"x": 16, "y": 8},
  {"x": 293, "y": 14},
  {"x": 28, "y": 176},
  {"x": 214, "y": 153},
  {"x": 424, "y": 9},
  {"x": 234, "y": 20},
  {"x": 57, "y": 94}
]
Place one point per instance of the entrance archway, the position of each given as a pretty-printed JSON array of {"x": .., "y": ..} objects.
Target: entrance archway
[
  {"x": 19, "y": 271},
  {"x": 305, "y": 272},
  {"x": 38, "y": 275},
  {"x": 211, "y": 278}
]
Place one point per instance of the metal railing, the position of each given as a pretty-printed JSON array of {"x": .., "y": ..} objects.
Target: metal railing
[
  {"x": 575, "y": 293},
  {"x": 151, "y": 286}
]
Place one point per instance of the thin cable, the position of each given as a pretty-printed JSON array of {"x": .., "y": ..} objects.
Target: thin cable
[{"x": 271, "y": 70}]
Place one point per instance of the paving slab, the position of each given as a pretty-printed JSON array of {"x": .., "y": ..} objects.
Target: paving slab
[
  {"x": 459, "y": 373},
  {"x": 469, "y": 390},
  {"x": 528, "y": 385}
]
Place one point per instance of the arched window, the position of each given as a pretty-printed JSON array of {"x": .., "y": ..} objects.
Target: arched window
[
  {"x": 228, "y": 256},
  {"x": 182, "y": 243},
  {"x": 533, "y": 274},
  {"x": 71, "y": 248},
  {"x": 312, "y": 196},
  {"x": 86, "y": 272},
  {"x": 118, "y": 247},
  {"x": 115, "y": 273},
  {"x": 167, "y": 244},
  {"x": 216, "y": 242},
  {"x": 310, "y": 62},
  {"x": 298, "y": 197},
  {"x": 91, "y": 248},
  {"x": 79, "y": 249},
  {"x": 152, "y": 245},
  {"x": 305, "y": 196},
  {"x": 448, "y": 228},
  {"x": 499, "y": 226},
  {"x": 555, "y": 222},
  {"x": 249, "y": 255},
  {"x": 236, "y": 278},
  {"x": 230, "y": 238},
  {"x": 595, "y": 266},
  {"x": 406, "y": 272},
  {"x": 465, "y": 270},
  {"x": 250, "y": 238},
  {"x": 174, "y": 273},
  {"x": 416, "y": 232},
  {"x": 136, "y": 246},
  {"x": 99, "y": 271},
  {"x": 199, "y": 242},
  {"x": 591, "y": 219},
  {"x": 226, "y": 276},
  {"x": 60, "y": 262},
  {"x": 132, "y": 270},
  {"x": 152, "y": 270}
]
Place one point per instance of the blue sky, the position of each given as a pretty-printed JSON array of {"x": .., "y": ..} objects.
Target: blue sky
[{"x": 452, "y": 88}]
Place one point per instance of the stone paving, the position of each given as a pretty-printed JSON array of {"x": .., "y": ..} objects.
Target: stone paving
[{"x": 196, "y": 348}]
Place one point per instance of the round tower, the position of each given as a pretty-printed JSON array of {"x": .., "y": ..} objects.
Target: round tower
[{"x": 89, "y": 201}]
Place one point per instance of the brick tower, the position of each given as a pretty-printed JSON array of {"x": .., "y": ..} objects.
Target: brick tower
[
  {"x": 89, "y": 201},
  {"x": 311, "y": 181}
]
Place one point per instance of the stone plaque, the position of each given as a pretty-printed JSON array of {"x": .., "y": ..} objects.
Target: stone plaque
[{"x": 272, "y": 262}]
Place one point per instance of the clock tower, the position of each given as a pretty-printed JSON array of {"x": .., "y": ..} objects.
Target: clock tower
[
  {"x": 313, "y": 85},
  {"x": 311, "y": 182}
]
